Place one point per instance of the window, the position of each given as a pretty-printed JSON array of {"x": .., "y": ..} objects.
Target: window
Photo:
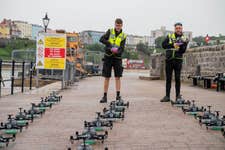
[{"x": 72, "y": 39}]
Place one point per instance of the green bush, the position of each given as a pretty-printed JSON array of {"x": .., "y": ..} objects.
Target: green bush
[{"x": 16, "y": 44}]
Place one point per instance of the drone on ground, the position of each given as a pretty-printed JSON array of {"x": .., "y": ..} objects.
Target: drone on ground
[
  {"x": 216, "y": 122},
  {"x": 120, "y": 103},
  {"x": 22, "y": 116},
  {"x": 6, "y": 140},
  {"x": 192, "y": 109},
  {"x": 112, "y": 115},
  {"x": 180, "y": 102},
  {"x": 12, "y": 126},
  {"x": 98, "y": 124},
  {"x": 90, "y": 135}
]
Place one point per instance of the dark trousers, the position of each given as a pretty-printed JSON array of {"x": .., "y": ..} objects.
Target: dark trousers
[{"x": 171, "y": 65}]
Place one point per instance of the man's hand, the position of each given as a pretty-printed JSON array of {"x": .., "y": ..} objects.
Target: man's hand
[
  {"x": 176, "y": 46},
  {"x": 114, "y": 50}
]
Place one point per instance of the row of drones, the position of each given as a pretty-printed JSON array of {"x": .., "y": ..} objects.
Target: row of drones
[
  {"x": 205, "y": 116},
  {"x": 23, "y": 118},
  {"x": 96, "y": 130}
]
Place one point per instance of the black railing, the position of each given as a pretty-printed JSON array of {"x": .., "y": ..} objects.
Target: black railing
[{"x": 25, "y": 71}]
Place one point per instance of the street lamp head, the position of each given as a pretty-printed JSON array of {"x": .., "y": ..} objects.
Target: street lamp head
[{"x": 46, "y": 20}]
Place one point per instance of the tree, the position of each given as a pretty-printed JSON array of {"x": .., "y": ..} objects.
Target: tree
[
  {"x": 144, "y": 48},
  {"x": 200, "y": 40},
  {"x": 95, "y": 47},
  {"x": 130, "y": 54},
  {"x": 159, "y": 41}
]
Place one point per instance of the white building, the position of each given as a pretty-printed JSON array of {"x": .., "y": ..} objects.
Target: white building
[
  {"x": 25, "y": 28},
  {"x": 149, "y": 40},
  {"x": 163, "y": 32},
  {"x": 91, "y": 37},
  {"x": 133, "y": 40}
]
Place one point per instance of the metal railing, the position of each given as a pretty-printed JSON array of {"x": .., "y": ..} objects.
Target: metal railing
[
  {"x": 18, "y": 76},
  {"x": 8, "y": 70}
]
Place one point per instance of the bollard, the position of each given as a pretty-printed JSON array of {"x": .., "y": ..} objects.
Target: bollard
[
  {"x": 12, "y": 77},
  {"x": 162, "y": 70},
  {"x": 22, "y": 85},
  {"x": 31, "y": 71}
]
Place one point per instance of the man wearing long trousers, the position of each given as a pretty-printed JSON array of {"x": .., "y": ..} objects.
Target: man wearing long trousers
[
  {"x": 175, "y": 45},
  {"x": 114, "y": 40}
]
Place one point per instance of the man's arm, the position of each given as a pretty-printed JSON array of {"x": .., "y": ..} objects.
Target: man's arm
[
  {"x": 183, "y": 47},
  {"x": 105, "y": 39},
  {"x": 166, "y": 44},
  {"x": 122, "y": 45}
]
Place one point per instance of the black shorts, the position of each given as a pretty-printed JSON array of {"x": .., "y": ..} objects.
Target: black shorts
[{"x": 109, "y": 63}]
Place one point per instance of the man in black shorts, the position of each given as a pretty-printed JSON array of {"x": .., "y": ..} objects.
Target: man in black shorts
[{"x": 114, "y": 40}]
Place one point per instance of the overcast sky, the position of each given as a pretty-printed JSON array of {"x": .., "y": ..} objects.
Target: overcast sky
[{"x": 140, "y": 16}]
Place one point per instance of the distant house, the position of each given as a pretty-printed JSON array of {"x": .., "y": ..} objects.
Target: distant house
[
  {"x": 4, "y": 31},
  {"x": 14, "y": 31},
  {"x": 25, "y": 28}
]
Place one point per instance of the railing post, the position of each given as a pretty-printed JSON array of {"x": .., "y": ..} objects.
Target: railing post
[
  {"x": 31, "y": 71},
  {"x": 22, "y": 85},
  {"x": 12, "y": 77}
]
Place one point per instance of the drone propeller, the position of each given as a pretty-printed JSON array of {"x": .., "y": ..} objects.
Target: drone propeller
[
  {"x": 209, "y": 108},
  {"x": 20, "y": 109},
  {"x": 10, "y": 116},
  {"x": 217, "y": 113}
]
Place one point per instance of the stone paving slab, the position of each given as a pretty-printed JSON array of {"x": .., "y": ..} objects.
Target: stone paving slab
[{"x": 149, "y": 124}]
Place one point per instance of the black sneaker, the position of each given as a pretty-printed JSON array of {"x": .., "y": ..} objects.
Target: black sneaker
[
  {"x": 165, "y": 99},
  {"x": 103, "y": 100}
]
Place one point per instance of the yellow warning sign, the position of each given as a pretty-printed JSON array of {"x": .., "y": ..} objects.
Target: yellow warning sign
[
  {"x": 39, "y": 63},
  {"x": 55, "y": 42},
  {"x": 51, "y": 51},
  {"x": 56, "y": 63},
  {"x": 40, "y": 42}
]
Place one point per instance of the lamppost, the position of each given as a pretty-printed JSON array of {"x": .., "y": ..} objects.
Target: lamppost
[{"x": 46, "y": 21}]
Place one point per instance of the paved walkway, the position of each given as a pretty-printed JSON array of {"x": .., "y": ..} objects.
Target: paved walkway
[{"x": 148, "y": 125}]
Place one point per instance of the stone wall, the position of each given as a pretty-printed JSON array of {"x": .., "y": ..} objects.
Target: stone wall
[{"x": 211, "y": 60}]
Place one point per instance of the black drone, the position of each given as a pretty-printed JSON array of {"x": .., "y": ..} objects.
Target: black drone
[
  {"x": 111, "y": 115},
  {"x": 55, "y": 95},
  {"x": 98, "y": 123},
  {"x": 53, "y": 98},
  {"x": 180, "y": 102},
  {"x": 6, "y": 140},
  {"x": 114, "y": 108},
  {"x": 120, "y": 103},
  {"x": 42, "y": 105},
  {"x": 216, "y": 122},
  {"x": 13, "y": 125},
  {"x": 192, "y": 109},
  {"x": 22, "y": 116},
  {"x": 89, "y": 134},
  {"x": 84, "y": 145},
  {"x": 206, "y": 116},
  {"x": 34, "y": 112}
]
